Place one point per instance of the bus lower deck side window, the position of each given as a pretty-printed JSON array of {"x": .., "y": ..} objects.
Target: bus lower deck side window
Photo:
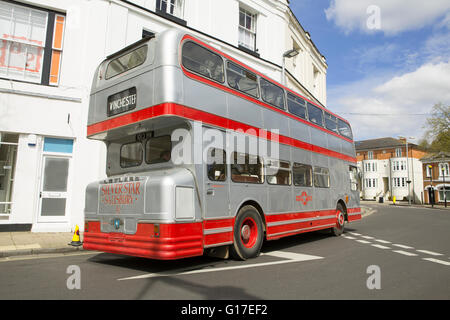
[
  {"x": 321, "y": 177},
  {"x": 216, "y": 166},
  {"x": 302, "y": 174},
  {"x": 131, "y": 155},
  {"x": 246, "y": 168}
]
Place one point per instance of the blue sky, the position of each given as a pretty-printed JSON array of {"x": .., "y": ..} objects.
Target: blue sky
[{"x": 388, "y": 60}]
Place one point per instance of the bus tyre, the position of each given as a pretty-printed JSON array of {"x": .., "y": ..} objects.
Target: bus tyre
[
  {"x": 340, "y": 221},
  {"x": 247, "y": 234}
]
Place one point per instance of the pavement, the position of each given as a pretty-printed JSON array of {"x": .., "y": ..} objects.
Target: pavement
[{"x": 32, "y": 243}]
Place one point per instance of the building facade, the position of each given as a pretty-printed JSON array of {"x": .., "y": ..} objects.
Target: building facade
[
  {"x": 436, "y": 177},
  {"x": 49, "y": 50},
  {"x": 385, "y": 169}
]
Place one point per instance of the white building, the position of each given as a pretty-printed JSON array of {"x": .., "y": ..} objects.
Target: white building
[
  {"x": 49, "y": 50},
  {"x": 385, "y": 169}
]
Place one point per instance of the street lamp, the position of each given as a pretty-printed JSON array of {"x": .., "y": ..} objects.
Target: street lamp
[
  {"x": 445, "y": 193},
  {"x": 431, "y": 194},
  {"x": 288, "y": 54},
  {"x": 407, "y": 167}
]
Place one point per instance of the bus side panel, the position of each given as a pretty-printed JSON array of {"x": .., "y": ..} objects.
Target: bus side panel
[{"x": 280, "y": 197}]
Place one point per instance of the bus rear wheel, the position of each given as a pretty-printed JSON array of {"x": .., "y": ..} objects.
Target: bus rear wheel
[
  {"x": 340, "y": 221},
  {"x": 247, "y": 234}
]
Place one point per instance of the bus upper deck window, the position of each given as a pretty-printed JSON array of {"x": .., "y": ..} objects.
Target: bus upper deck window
[
  {"x": 126, "y": 62},
  {"x": 131, "y": 155},
  {"x": 296, "y": 106},
  {"x": 202, "y": 61},
  {"x": 272, "y": 94},
  {"x": 241, "y": 79},
  {"x": 330, "y": 122},
  {"x": 158, "y": 149},
  {"x": 315, "y": 114},
  {"x": 344, "y": 129}
]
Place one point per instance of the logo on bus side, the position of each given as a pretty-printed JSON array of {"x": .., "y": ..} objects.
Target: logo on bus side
[
  {"x": 303, "y": 198},
  {"x": 120, "y": 193}
]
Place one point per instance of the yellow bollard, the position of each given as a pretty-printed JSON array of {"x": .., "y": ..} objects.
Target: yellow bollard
[
  {"x": 76, "y": 238},
  {"x": 393, "y": 200}
]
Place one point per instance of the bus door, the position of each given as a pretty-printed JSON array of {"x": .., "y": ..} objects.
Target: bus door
[{"x": 217, "y": 197}]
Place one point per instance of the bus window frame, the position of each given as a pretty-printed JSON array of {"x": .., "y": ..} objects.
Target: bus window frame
[
  {"x": 261, "y": 178},
  {"x": 117, "y": 58},
  {"x": 270, "y": 103},
  {"x": 145, "y": 149},
  {"x": 209, "y": 50},
  {"x": 328, "y": 175},
  {"x": 311, "y": 175},
  {"x": 288, "y": 169},
  {"x": 214, "y": 163},
  {"x": 120, "y": 154},
  {"x": 258, "y": 87},
  {"x": 305, "y": 106}
]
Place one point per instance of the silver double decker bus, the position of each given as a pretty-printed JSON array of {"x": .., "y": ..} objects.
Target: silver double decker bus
[{"x": 208, "y": 155}]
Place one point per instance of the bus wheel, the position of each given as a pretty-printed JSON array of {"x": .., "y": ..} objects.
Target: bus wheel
[
  {"x": 340, "y": 221},
  {"x": 248, "y": 234}
]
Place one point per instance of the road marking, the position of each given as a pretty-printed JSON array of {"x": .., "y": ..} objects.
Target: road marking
[
  {"x": 46, "y": 256},
  {"x": 289, "y": 256},
  {"x": 355, "y": 234},
  {"x": 366, "y": 237},
  {"x": 380, "y": 246},
  {"x": 430, "y": 252},
  {"x": 382, "y": 241},
  {"x": 363, "y": 241},
  {"x": 349, "y": 237},
  {"x": 446, "y": 263},
  {"x": 406, "y": 253},
  {"x": 403, "y": 246}
]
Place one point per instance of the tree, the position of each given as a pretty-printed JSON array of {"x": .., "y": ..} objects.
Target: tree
[{"x": 438, "y": 129}]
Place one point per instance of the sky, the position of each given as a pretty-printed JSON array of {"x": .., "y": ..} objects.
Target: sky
[{"x": 388, "y": 61}]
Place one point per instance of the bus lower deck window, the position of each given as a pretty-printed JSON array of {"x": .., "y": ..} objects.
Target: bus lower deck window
[
  {"x": 302, "y": 174},
  {"x": 321, "y": 177},
  {"x": 158, "y": 149},
  {"x": 131, "y": 155},
  {"x": 246, "y": 168},
  {"x": 216, "y": 164},
  {"x": 278, "y": 172}
]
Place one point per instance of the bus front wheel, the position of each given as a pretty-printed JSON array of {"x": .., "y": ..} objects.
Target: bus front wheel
[
  {"x": 340, "y": 221},
  {"x": 247, "y": 234}
]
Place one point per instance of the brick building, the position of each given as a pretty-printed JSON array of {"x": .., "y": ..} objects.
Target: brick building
[
  {"x": 385, "y": 169},
  {"x": 436, "y": 174}
]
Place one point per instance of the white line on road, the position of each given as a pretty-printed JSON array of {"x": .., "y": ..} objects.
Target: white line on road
[
  {"x": 366, "y": 237},
  {"x": 349, "y": 237},
  {"x": 363, "y": 241},
  {"x": 430, "y": 252},
  {"x": 437, "y": 261},
  {"x": 291, "y": 257},
  {"x": 355, "y": 234},
  {"x": 406, "y": 253},
  {"x": 380, "y": 246},
  {"x": 382, "y": 241},
  {"x": 403, "y": 246}
]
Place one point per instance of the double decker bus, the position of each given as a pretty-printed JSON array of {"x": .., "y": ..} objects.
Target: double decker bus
[{"x": 185, "y": 125}]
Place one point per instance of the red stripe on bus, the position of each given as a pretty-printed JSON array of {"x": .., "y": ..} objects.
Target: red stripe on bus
[{"x": 198, "y": 115}]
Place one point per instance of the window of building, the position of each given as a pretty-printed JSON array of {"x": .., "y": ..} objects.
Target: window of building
[
  {"x": 202, "y": 61},
  {"x": 371, "y": 182},
  {"x": 443, "y": 196},
  {"x": 278, "y": 172},
  {"x": 246, "y": 168},
  {"x": 8, "y": 155},
  {"x": 443, "y": 169},
  {"x": 369, "y": 155},
  {"x": 158, "y": 149},
  {"x": 353, "y": 173},
  {"x": 247, "y": 29},
  {"x": 216, "y": 164},
  {"x": 172, "y": 7},
  {"x": 321, "y": 177},
  {"x": 302, "y": 175},
  {"x": 399, "y": 182},
  {"x": 398, "y": 152},
  {"x": 31, "y": 43},
  {"x": 429, "y": 170},
  {"x": 272, "y": 93},
  {"x": 241, "y": 79},
  {"x": 296, "y": 105},
  {"x": 315, "y": 114},
  {"x": 131, "y": 155}
]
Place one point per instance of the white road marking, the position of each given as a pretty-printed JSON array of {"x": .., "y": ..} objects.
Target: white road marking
[
  {"x": 430, "y": 252},
  {"x": 446, "y": 263},
  {"x": 366, "y": 237},
  {"x": 349, "y": 237},
  {"x": 406, "y": 253},
  {"x": 382, "y": 241},
  {"x": 289, "y": 256},
  {"x": 363, "y": 241},
  {"x": 403, "y": 246},
  {"x": 380, "y": 246},
  {"x": 355, "y": 234}
]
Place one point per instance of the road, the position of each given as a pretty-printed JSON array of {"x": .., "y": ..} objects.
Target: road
[{"x": 394, "y": 253}]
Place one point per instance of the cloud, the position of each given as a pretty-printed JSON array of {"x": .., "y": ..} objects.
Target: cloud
[
  {"x": 396, "y": 105},
  {"x": 394, "y": 16}
]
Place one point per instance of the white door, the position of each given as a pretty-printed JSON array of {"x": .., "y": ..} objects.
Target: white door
[{"x": 53, "y": 191}]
